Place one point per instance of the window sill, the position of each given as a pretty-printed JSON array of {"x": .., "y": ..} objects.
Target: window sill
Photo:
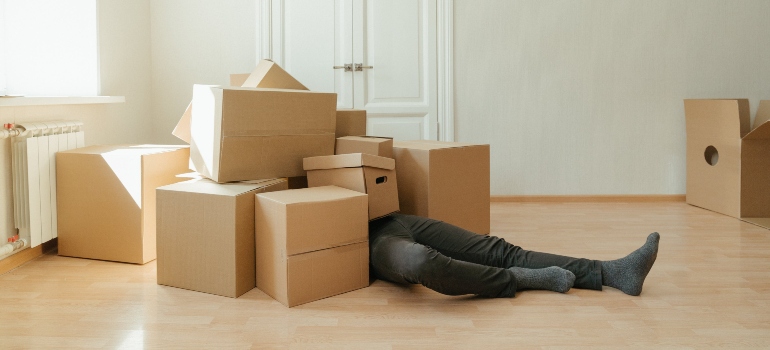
[{"x": 11, "y": 101}]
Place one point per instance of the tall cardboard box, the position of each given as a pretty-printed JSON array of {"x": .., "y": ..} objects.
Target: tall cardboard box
[
  {"x": 206, "y": 235},
  {"x": 311, "y": 243},
  {"x": 351, "y": 122},
  {"x": 252, "y": 133},
  {"x": 106, "y": 199},
  {"x": 728, "y": 161},
  {"x": 446, "y": 181},
  {"x": 365, "y": 173},
  {"x": 378, "y": 146}
]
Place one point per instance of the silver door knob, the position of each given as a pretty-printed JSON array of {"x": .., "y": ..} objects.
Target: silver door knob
[
  {"x": 347, "y": 67},
  {"x": 360, "y": 67}
]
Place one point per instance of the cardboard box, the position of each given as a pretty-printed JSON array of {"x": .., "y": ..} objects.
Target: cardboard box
[
  {"x": 267, "y": 74},
  {"x": 351, "y": 122},
  {"x": 311, "y": 243},
  {"x": 297, "y": 182},
  {"x": 245, "y": 134},
  {"x": 728, "y": 162},
  {"x": 206, "y": 235},
  {"x": 106, "y": 199},
  {"x": 378, "y": 146},
  {"x": 447, "y": 181},
  {"x": 365, "y": 173}
]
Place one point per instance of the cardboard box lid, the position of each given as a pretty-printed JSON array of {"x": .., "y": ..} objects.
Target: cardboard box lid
[
  {"x": 267, "y": 74},
  {"x": 761, "y": 130},
  {"x": 138, "y": 150},
  {"x": 311, "y": 195},
  {"x": 231, "y": 189},
  {"x": 351, "y": 160},
  {"x": 364, "y": 138},
  {"x": 430, "y": 144}
]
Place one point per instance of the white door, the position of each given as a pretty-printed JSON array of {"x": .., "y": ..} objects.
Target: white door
[{"x": 393, "y": 42}]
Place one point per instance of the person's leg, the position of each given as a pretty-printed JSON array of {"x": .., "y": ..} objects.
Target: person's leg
[
  {"x": 628, "y": 273},
  {"x": 396, "y": 257},
  {"x": 460, "y": 244}
]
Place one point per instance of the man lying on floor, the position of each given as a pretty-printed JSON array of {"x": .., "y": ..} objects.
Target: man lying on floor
[{"x": 453, "y": 261}]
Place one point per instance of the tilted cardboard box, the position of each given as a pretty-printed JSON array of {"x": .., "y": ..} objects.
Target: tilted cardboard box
[
  {"x": 106, "y": 199},
  {"x": 446, "y": 181},
  {"x": 206, "y": 235},
  {"x": 365, "y": 173},
  {"x": 245, "y": 134},
  {"x": 728, "y": 162},
  {"x": 378, "y": 146},
  {"x": 351, "y": 122},
  {"x": 311, "y": 243}
]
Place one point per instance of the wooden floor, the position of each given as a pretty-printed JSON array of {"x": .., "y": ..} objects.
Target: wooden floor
[{"x": 710, "y": 287}]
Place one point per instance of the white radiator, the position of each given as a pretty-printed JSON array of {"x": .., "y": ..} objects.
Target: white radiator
[{"x": 34, "y": 175}]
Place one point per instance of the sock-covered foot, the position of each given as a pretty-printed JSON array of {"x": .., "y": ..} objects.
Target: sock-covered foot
[
  {"x": 628, "y": 274},
  {"x": 552, "y": 278}
]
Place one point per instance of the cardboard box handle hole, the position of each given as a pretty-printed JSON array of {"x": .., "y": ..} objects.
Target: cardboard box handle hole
[
  {"x": 712, "y": 155},
  {"x": 381, "y": 180}
]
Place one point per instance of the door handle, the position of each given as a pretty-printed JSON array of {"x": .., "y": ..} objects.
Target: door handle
[
  {"x": 348, "y": 67},
  {"x": 360, "y": 67}
]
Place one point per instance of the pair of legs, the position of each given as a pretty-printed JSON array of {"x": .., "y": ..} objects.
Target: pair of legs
[{"x": 453, "y": 261}]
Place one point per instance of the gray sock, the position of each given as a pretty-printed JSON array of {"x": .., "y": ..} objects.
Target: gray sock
[
  {"x": 552, "y": 278},
  {"x": 628, "y": 274}
]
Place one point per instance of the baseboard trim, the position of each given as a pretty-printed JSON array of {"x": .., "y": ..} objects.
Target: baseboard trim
[
  {"x": 26, "y": 255},
  {"x": 635, "y": 198}
]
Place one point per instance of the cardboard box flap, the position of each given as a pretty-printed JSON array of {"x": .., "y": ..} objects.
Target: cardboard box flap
[
  {"x": 430, "y": 144},
  {"x": 182, "y": 128},
  {"x": 364, "y": 138},
  {"x": 761, "y": 129},
  {"x": 315, "y": 194},
  {"x": 238, "y": 79},
  {"x": 206, "y": 186},
  {"x": 269, "y": 74},
  {"x": 351, "y": 160},
  {"x": 125, "y": 149},
  {"x": 724, "y": 119},
  {"x": 762, "y": 132}
]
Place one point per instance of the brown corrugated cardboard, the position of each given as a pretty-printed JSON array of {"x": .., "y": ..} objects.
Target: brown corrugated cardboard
[
  {"x": 206, "y": 235},
  {"x": 366, "y": 173},
  {"x": 106, "y": 199},
  {"x": 311, "y": 243},
  {"x": 378, "y": 146},
  {"x": 243, "y": 134},
  {"x": 267, "y": 74},
  {"x": 728, "y": 166},
  {"x": 446, "y": 181},
  {"x": 351, "y": 122}
]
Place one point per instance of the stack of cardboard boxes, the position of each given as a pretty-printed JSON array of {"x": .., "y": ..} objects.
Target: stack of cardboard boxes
[{"x": 250, "y": 219}]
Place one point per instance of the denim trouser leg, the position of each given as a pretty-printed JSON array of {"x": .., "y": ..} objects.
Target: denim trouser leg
[{"x": 445, "y": 251}]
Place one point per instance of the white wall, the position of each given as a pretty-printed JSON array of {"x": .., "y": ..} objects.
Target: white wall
[
  {"x": 196, "y": 42},
  {"x": 125, "y": 71},
  {"x": 585, "y": 97}
]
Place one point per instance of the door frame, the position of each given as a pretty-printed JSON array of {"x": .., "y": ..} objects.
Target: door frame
[{"x": 270, "y": 23}]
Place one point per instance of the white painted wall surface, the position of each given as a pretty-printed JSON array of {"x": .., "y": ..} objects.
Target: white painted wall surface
[
  {"x": 196, "y": 42},
  {"x": 585, "y": 97},
  {"x": 124, "y": 40}
]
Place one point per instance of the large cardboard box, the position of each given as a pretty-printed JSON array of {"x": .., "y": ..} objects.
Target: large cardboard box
[
  {"x": 446, "y": 181},
  {"x": 267, "y": 74},
  {"x": 206, "y": 235},
  {"x": 365, "y": 173},
  {"x": 728, "y": 161},
  {"x": 311, "y": 243},
  {"x": 253, "y": 133},
  {"x": 378, "y": 146},
  {"x": 351, "y": 122},
  {"x": 106, "y": 199}
]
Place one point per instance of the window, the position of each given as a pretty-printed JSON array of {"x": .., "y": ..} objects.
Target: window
[{"x": 48, "y": 48}]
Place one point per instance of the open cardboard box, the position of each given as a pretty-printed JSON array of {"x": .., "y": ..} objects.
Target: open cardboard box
[{"x": 728, "y": 161}]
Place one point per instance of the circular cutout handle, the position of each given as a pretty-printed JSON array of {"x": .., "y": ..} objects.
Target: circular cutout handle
[{"x": 712, "y": 155}]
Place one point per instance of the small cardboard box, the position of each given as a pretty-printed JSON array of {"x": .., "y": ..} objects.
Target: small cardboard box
[
  {"x": 446, "y": 181},
  {"x": 351, "y": 122},
  {"x": 206, "y": 235},
  {"x": 378, "y": 146},
  {"x": 267, "y": 74},
  {"x": 106, "y": 199},
  {"x": 311, "y": 243},
  {"x": 365, "y": 173},
  {"x": 728, "y": 162},
  {"x": 253, "y": 133}
]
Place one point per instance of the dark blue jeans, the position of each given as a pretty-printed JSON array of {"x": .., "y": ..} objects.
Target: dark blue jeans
[{"x": 453, "y": 261}]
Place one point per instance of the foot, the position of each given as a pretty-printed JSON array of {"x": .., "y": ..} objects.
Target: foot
[
  {"x": 550, "y": 278},
  {"x": 628, "y": 274}
]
